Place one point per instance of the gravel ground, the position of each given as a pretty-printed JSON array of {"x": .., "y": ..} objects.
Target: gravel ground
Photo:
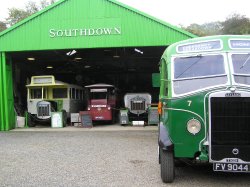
[{"x": 92, "y": 158}]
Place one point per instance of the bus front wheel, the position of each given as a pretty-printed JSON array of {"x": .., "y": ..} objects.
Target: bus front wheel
[
  {"x": 31, "y": 122},
  {"x": 167, "y": 166}
]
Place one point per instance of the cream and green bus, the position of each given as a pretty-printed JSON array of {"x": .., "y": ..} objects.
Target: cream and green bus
[
  {"x": 46, "y": 95},
  {"x": 205, "y": 104}
]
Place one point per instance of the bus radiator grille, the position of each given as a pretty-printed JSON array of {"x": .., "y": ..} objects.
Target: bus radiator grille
[
  {"x": 138, "y": 105},
  {"x": 43, "y": 110},
  {"x": 230, "y": 127}
]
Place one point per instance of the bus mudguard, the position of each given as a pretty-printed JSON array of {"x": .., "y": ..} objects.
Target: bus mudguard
[{"x": 164, "y": 139}]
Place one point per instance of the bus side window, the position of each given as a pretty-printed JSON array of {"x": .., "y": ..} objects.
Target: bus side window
[
  {"x": 166, "y": 77},
  {"x": 77, "y": 92},
  {"x": 163, "y": 77},
  {"x": 82, "y": 95},
  {"x": 45, "y": 93},
  {"x": 35, "y": 93},
  {"x": 73, "y": 93},
  {"x": 60, "y": 93}
]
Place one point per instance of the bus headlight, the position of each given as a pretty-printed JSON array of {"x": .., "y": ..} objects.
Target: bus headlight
[{"x": 193, "y": 126}]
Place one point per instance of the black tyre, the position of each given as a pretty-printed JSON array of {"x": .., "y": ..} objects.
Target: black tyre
[
  {"x": 31, "y": 122},
  {"x": 167, "y": 166}
]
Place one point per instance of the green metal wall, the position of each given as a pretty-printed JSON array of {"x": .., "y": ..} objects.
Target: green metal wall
[
  {"x": 7, "y": 114},
  {"x": 137, "y": 29}
]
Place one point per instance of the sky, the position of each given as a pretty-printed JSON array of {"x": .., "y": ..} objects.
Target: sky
[{"x": 175, "y": 12}]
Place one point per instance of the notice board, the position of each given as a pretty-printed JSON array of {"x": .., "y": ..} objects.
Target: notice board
[{"x": 86, "y": 119}]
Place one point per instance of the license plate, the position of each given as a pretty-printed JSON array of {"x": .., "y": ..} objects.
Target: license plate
[
  {"x": 99, "y": 117},
  {"x": 231, "y": 167}
]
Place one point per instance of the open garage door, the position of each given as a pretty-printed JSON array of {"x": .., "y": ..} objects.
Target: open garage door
[{"x": 130, "y": 69}]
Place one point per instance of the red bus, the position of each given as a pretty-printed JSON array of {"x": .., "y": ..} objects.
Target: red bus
[{"x": 102, "y": 102}]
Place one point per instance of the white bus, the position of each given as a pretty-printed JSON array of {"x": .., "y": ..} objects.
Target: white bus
[{"x": 46, "y": 95}]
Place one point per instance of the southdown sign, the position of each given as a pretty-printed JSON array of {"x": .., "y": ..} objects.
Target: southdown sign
[{"x": 53, "y": 33}]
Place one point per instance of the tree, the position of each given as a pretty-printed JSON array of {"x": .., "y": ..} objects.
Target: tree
[
  {"x": 45, "y": 3},
  {"x": 2, "y": 26},
  {"x": 212, "y": 28},
  {"x": 205, "y": 29},
  {"x": 16, "y": 15},
  {"x": 236, "y": 24},
  {"x": 31, "y": 7},
  {"x": 196, "y": 29}
]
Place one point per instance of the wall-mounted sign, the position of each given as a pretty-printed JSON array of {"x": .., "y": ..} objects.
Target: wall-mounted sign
[
  {"x": 200, "y": 46},
  {"x": 239, "y": 44},
  {"x": 54, "y": 33}
]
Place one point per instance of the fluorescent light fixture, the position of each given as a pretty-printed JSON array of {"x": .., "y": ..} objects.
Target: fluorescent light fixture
[
  {"x": 78, "y": 58},
  {"x": 49, "y": 67},
  {"x": 31, "y": 59},
  {"x": 70, "y": 53},
  {"x": 139, "y": 51},
  {"x": 87, "y": 66}
]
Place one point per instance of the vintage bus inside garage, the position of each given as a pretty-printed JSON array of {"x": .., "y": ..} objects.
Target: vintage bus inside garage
[{"x": 82, "y": 43}]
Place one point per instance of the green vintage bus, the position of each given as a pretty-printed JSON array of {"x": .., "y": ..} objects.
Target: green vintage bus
[{"x": 204, "y": 104}]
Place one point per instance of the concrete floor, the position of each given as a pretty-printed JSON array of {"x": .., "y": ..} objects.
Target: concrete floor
[{"x": 106, "y": 127}]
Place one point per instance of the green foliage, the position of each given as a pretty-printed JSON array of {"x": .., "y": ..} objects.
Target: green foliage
[
  {"x": 2, "y": 26},
  {"x": 16, "y": 15},
  {"x": 195, "y": 29},
  {"x": 31, "y": 7},
  {"x": 45, "y": 3},
  {"x": 234, "y": 24},
  {"x": 212, "y": 28}
]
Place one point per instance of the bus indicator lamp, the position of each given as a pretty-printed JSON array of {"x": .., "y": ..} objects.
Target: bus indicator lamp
[{"x": 160, "y": 108}]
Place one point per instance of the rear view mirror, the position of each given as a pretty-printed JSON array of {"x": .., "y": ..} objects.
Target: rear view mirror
[{"x": 156, "y": 80}]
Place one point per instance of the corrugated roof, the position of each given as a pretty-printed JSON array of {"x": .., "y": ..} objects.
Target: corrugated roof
[{"x": 31, "y": 32}]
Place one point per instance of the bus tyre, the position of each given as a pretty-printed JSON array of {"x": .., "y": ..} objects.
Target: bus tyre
[
  {"x": 30, "y": 120},
  {"x": 167, "y": 166}
]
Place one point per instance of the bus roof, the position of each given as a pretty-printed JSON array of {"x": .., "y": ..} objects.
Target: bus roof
[
  {"x": 100, "y": 85},
  {"x": 209, "y": 43},
  {"x": 48, "y": 80}
]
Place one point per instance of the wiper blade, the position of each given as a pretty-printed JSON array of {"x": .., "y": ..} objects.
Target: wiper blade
[
  {"x": 190, "y": 65},
  {"x": 199, "y": 55},
  {"x": 242, "y": 66}
]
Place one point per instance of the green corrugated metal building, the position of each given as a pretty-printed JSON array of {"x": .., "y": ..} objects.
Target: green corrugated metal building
[{"x": 85, "y": 25}]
